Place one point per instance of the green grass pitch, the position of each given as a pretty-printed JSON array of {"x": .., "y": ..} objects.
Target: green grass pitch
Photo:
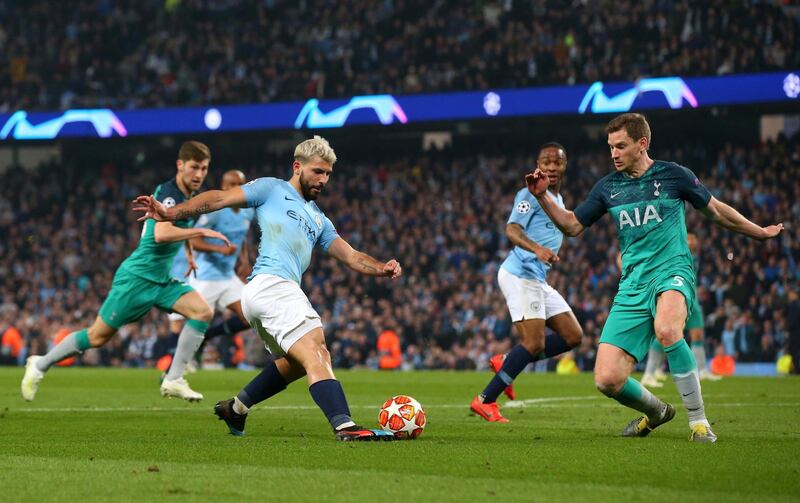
[{"x": 108, "y": 435}]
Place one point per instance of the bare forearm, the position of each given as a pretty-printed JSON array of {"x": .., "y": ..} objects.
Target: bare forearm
[
  {"x": 202, "y": 245},
  {"x": 728, "y": 217},
  {"x": 565, "y": 220},
  {"x": 516, "y": 235},
  {"x": 206, "y": 202},
  {"x": 172, "y": 234},
  {"x": 364, "y": 264}
]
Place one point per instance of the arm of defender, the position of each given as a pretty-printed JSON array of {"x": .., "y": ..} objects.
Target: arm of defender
[
  {"x": 165, "y": 232},
  {"x": 361, "y": 262},
  {"x": 726, "y": 216},
  {"x": 516, "y": 235},
  {"x": 206, "y": 202},
  {"x": 204, "y": 246},
  {"x": 565, "y": 220}
]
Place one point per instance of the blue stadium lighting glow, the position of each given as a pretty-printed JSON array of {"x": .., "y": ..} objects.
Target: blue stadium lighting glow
[
  {"x": 674, "y": 90},
  {"x": 665, "y": 93},
  {"x": 385, "y": 107}
]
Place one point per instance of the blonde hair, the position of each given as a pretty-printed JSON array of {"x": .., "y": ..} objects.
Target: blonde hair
[{"x": 315, "y": 147}]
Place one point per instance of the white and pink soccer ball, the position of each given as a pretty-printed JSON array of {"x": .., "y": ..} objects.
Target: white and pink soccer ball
[{"x": 403, "y": 417}]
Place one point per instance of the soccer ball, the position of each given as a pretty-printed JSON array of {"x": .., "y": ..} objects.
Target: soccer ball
[{"x": 403, "y": 417}]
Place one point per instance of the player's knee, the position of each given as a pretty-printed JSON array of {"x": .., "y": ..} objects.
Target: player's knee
[
  {"x": 607, "y": 383},
  {"x": 98, "y": 338},
  {"x": 205, "y": 314},
  {"x": 533, "y": 346},
  {"x": 668, "y": 333},
  {"x": 574, "y": 336}
]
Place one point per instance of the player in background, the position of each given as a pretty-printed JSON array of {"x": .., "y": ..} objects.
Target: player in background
[
  {"x": 646, "y": 199},
  {"x": 291, "y": 227},
  {"x": 532, "y": 303},
  {"x": 142, "y": 282},
  {"x": 215, "y": 277},
  {"x": 695, "y": 325}
]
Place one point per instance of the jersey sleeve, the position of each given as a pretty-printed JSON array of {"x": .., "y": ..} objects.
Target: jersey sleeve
[
  {"x": 525, "y": 207},
  {"x": 168, "y": 195},
  {"x": 328, "y": 234},
  {"x": 692, "y": 189},
  {"x": 593, "y": 207},
  {"x": 256, "y": 191}
]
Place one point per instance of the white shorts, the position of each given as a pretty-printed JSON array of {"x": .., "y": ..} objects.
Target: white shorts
[
  {"x": 530, "y": 299},
  {"x": 279, "y": 311},
  {"x": 220, "y": 293},
  {"x": 175, "y": 317}
]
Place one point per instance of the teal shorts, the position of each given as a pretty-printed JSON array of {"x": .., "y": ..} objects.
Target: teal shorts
[
  {"x": 695, "y": 319},
  {"x": 630, "y": 323},
  {"x": 131, "y": 297}
]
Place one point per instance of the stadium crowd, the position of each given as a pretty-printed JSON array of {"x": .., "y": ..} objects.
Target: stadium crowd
[
  {"x": 151, "y": 53},
  {"x": 443, "y": 216}
]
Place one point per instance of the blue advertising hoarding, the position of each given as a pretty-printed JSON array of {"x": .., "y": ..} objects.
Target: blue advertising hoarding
[{"x": 384, "y": 109}]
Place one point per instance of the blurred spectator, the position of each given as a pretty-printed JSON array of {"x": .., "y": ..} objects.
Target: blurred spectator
[
  {"x": 391, "y": 357},
  {"x": 126, "y": 54}
]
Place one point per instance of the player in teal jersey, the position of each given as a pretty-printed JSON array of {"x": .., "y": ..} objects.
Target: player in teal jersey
[
  {"x": 292, "y": 226},
  {"x": 143, "y": 281},
  {"x": 646, "y": 199},
  {"x": 696, "y": 327}
]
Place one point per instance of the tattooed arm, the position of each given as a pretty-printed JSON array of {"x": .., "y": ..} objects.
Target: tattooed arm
[
  {"x": 206, "y": 202},
  {"x": 363, "y": 263}
]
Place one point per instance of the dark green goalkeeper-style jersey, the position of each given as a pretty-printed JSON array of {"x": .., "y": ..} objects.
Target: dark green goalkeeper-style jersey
[
  {"x": 649, "y": 217},
  {"x": 151, "y": 260}
]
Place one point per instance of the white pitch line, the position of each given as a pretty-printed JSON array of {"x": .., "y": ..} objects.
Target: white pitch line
[{"x": 549, "y": 403}]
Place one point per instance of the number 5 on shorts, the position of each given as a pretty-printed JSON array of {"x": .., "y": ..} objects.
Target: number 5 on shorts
[{"x": 677, "y": 281}]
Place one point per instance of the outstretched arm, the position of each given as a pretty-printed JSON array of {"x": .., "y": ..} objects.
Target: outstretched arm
[
  {"x": 726, "y": 216},
  {"x": 165, "y": 232},
  {"x": 565, "y": 220},
  {"x": 363, "y": 263},
  {"x": 206, "y": 202}
]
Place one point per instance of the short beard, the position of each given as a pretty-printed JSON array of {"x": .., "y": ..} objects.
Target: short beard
[{"x": 305, "y": 188}]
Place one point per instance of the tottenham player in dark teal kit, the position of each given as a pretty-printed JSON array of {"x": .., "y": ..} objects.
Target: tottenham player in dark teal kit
[
  {"x": 646, "y": 198},
  {"x": 143, "y": 281}
]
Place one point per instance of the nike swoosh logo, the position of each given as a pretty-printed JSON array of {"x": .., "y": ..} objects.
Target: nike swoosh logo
[
  {"x": 615, "y": 195},
  {"x": 687, "y": 394},
  {"x": 289, "y": 198}
]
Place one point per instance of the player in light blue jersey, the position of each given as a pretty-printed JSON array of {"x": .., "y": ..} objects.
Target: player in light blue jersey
[
  {"x": 291, "y": 227},
  {"x": 533, "y": 303},
  {"x": 215, "y": 262}
]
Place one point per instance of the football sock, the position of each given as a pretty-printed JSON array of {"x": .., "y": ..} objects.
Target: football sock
[
  {"x": 71, "y": 345},
  {"x": 655, "y": 357},
  {"x": 699, "y": 350},
  {"x": 267, "y": 383},
  {"x": 190, "y": 339},
  {"x": 516, "y": 361},
  {"x": 637, "y": 397},
  {"x": 239, "y": 407},
  {"x": 684, "y": 372},
  {"x": 554, "y": 345},
  {"x": 230, "y": 326},
  {"x": 329, "y": 396}
]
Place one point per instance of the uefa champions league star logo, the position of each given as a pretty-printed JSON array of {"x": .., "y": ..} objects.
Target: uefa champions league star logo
[
  {"x": 168, "y": 202},
  {"x": 523, "y": 207},
  {"x": 657, "y": 192},
  {"x": 492, "y": 104},
  {"x": 791, "y": 85}
]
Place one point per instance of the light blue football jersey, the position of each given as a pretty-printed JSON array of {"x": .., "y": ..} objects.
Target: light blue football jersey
[
  {"x": 539, "y": 228},
  {"x": 180, "y": 264},
  {"x": 290, "y": 228},
  {"x": 233, "y": 224}
]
